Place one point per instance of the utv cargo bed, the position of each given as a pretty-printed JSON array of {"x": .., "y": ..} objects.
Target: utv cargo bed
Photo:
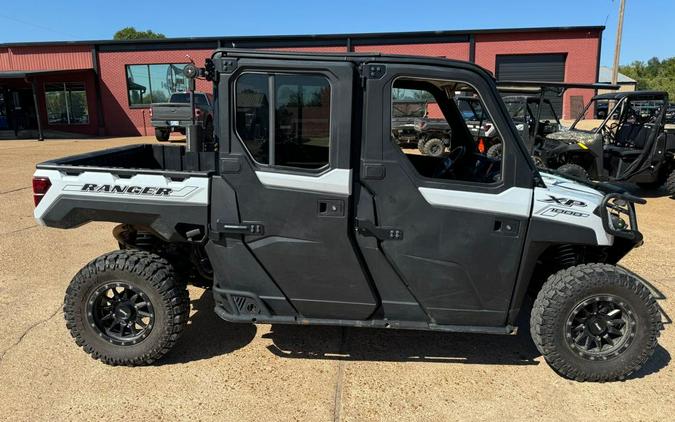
[{"x": 160, "y": 187}]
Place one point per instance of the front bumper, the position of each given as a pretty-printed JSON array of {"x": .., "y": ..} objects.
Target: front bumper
[{"x": 614, "y": 208}]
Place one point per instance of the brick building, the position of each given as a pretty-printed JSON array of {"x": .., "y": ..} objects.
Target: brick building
[{"x": 105, "y": 87}]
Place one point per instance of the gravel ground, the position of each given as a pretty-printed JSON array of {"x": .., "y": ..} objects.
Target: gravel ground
[{"x": 241, "y": 372}]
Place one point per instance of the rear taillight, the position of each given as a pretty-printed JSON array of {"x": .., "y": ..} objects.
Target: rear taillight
[
  {"x": 198, "y": 112},
  {"x": 150, "y": 111},
  {"x": 40, "y": 187}
]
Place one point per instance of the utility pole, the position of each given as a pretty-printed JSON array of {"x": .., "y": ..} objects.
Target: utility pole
[{"x": 617, "y": 48}]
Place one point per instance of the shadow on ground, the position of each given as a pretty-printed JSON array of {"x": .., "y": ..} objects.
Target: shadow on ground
[{"x": 206, "y": 336}]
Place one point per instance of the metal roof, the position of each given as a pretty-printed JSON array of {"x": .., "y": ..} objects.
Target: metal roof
[
  {"x": 605, "y": 76},
  {"x": 312, "y": 39}
]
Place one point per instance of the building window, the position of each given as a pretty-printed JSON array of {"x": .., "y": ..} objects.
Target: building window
[
  {"x": 301, "y": 133},
  {"x": 66, "y": 103},
  {"x": 154, "y": 83}
]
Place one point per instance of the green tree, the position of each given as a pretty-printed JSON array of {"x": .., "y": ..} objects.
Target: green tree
[
  {"x": 655, "y": 74},
  {"x": 130, "y": 33}
]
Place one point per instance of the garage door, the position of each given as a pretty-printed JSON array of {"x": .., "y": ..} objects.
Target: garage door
[{"x": 533, "y": 67}]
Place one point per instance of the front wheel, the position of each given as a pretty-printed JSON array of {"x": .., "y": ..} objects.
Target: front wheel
[
  {"x": 574, "y": 170},
  {"x": 126, "y": 308},
  {"x": 162, "y": 135},
  {"x": 670, "y": 184},
  {"x": 420, "y": 144},
  {"x": 495, "y": 152},
  {"x": 595, "y": 322}
]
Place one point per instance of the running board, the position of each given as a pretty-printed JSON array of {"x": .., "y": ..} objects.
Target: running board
[{"x": 371, "y": 323}]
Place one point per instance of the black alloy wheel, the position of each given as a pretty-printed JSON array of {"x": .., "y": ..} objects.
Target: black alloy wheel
[
  {"x": 120, "y": 313},
  {"x": 600, "y": 327}
]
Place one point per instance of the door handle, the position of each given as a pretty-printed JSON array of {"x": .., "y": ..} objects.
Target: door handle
[
  {"x": 331, "y": 208},
  {"x": 368, "y": 228}
]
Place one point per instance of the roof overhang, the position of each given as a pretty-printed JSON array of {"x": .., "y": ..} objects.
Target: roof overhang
[{"x": 23, "y": 74}]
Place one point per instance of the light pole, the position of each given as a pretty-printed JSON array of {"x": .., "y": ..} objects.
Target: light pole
[{"x": 617, "y": 48}]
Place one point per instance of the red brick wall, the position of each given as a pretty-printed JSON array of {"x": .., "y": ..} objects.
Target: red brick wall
[
  {"x": 121, "y": 119},
  {"x": 581, "y": 48},
  {"x": 58, "y": 57},
  {"x": 581, "y": 66},
  {"x": 457, "y": 50}
]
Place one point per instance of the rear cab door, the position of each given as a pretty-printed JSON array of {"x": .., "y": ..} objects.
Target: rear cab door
[
  {"x": 285, "y": 162},
  {"x": 454, "y": 241}
]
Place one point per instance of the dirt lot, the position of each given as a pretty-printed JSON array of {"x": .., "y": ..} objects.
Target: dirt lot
[{"x": 242, "y": 372}]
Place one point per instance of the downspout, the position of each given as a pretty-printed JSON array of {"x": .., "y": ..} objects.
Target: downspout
[{"x": 37, "y": 110}]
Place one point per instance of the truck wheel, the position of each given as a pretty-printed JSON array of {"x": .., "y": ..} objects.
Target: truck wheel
[
  {"x": 495, "y": 152},
  {"x": 574, "y": 170},
  {"x": 420, "y": 144},
  {"x": 434, "y": 147},
  {"x": 595, "y": 322},
  {"x": 162, "y": 135},
  {"x": 670, "y": 184},
  {"x": 126, "y": 308}
]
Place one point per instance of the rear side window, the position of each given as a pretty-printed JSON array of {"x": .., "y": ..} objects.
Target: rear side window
[{"x": 300, "y": 137}]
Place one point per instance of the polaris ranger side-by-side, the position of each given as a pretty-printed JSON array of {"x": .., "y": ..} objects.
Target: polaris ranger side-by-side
[{"x": 310, "y": 213}]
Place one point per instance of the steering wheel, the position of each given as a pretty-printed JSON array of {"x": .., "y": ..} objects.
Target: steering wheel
[{"x": 448, "y": 162}]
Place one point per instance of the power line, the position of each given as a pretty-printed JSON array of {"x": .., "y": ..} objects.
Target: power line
[{"x": 35, "y": 25}]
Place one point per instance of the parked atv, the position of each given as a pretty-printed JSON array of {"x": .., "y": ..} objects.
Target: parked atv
[
  {"x": 534, "y": 117},
  {"x": 632, "y": 143},
  {"x": 434, "y": 134}
]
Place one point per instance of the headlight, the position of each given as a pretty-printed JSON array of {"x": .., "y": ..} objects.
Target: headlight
[{"x": 617, "y": 222}]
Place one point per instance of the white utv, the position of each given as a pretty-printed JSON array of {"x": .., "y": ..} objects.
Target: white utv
[{"x": 305, "y": 211}]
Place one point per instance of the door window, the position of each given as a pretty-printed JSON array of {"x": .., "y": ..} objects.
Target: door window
[
  {"x": 298, "y": 133},
  {"x": 449, "y": 140}
]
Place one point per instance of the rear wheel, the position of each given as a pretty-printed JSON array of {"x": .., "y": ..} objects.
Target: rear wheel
[
  {"x": 595, "y": 322},
  {"x": 126, "y": 308},
  {"x": 574, "y": 170},
  {"x": 420, "y": 144},
  {"x": 434, "y": 147},
  {"x": 162, "y": 135}
]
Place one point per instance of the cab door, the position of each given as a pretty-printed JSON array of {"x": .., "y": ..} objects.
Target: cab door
[
  {"x": 454, "y": 240},
  {"x": 288, "y": 164}
]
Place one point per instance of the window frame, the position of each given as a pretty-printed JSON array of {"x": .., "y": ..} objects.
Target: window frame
[
  {"x": 271, "y": 83},
  {"x": 438, "y": 182},
  {"x": 147, "y": 65},
  {"x": 66, "y": 92}
]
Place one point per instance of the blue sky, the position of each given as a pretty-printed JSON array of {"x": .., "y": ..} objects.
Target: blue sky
[{"x": 648, "y": 26}]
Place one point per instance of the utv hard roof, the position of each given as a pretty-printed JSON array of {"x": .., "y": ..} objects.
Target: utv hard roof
[
  {"x": 633, "y": 95},
  {"x": 351, "y": 57}
]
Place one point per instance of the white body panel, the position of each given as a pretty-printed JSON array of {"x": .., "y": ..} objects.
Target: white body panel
[
  {"x": 335, "y": 181},
  {"x": 192, "y": 191},
  {"x": 569, "y": 202},
  {"x": 513, "y": 201}
]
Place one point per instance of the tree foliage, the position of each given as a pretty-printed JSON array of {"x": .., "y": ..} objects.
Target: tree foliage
[
  {"x": 655, "y": 74},
  {"x": 130, "y": 33}
]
